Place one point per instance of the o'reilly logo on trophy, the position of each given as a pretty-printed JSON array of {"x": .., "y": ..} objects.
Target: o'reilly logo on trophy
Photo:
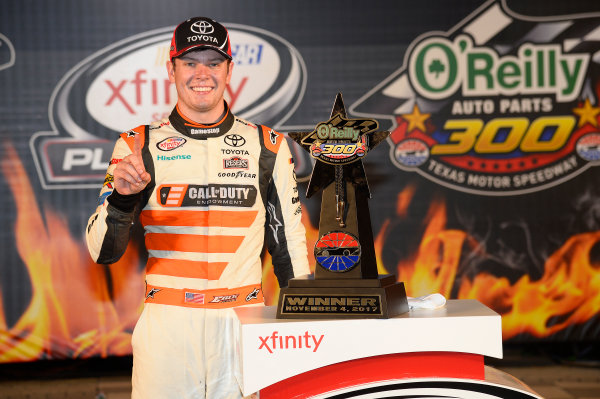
[
  {"x": 339, "y": 141},
  {"x": 339, "y": 145}
]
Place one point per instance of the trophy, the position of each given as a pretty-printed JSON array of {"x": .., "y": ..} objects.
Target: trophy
[{"x": 346, "y": 283}]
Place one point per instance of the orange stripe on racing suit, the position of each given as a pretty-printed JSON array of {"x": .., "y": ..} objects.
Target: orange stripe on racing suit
[
  {"x": 185, "y": 268},
  {"x": 198, "y": 218},
  {"x": 193, "y": 242}
]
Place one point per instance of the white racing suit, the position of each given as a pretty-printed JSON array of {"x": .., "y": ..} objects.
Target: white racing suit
[{"x": 217, "y": 194}]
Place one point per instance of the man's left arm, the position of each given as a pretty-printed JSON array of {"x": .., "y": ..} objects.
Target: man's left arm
[{"x": 285, "y": 235}]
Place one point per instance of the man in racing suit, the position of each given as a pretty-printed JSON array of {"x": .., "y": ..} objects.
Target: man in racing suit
[{"x": 209, "y": 195}]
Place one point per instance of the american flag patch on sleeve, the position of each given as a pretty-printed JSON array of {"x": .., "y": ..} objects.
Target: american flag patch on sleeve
[{"x": 192, "y": 297}]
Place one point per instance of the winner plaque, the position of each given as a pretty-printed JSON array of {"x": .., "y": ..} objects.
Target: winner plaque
[{"x": 346, "y": 283}]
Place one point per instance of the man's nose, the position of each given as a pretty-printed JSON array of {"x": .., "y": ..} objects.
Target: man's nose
[{"x": 201, "y": 69}]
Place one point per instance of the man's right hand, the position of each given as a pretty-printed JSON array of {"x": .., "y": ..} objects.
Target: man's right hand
[{"x": 130, "y": 174}]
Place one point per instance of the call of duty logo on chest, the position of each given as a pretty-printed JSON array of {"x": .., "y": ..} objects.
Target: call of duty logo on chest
[{"x": 346, "y": 283}]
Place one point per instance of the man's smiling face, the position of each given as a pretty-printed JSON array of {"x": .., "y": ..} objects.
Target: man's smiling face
[{"x": 200, "y": 77}]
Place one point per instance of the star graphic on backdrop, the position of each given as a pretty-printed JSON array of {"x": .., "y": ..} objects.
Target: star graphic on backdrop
[
  {"x": 587, "y": 114},
  {"x": 416, "y": 120}
]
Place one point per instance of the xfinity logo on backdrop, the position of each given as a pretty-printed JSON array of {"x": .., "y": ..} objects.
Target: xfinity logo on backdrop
[{"x": 125, "y": 85}]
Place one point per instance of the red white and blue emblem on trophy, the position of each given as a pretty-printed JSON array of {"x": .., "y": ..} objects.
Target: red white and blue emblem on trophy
[{"x": 337, "y": 251}]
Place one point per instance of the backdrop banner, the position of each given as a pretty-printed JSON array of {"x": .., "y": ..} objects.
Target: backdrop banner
[{"x": 488, "y": 186}]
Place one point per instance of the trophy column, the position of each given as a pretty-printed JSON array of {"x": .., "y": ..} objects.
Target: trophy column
[{"x": 346, "y": 283}]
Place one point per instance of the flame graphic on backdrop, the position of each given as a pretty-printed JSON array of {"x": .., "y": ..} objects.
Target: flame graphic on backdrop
[
  {"x": 75, "y": 311},
  {"x": 568, "y": 293},
  {"x": 72, "y": 312}
]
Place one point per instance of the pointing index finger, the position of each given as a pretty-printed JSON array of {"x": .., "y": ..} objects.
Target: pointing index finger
[
  {"x": 136, "y": 159},
  {"x": 137, "y": 145}
]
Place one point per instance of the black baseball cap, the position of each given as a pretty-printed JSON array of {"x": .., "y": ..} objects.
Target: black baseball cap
[{"x": 200, "y": 32}]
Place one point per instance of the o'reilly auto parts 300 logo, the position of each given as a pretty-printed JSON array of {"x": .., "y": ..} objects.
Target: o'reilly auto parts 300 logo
[
  {"x": 125, "y": 85},
  {"x": 502, "y": 104}
]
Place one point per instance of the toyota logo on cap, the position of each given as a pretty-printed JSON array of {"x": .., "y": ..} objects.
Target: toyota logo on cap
[
  {"x": 202, "y": 27},
  {"x": 200, "y": 32}
]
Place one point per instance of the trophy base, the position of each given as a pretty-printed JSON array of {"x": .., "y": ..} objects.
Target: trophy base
[{"x": 307, "y": 298}]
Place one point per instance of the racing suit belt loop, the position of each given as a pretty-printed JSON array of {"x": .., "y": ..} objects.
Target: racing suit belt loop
[{"x": 214, "y": 298}]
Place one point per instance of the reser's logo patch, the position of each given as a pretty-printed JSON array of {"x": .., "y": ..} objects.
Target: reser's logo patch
[
  {"x": 492, "y": 109},
  {"x": 120, "y": 92},
  {"x": 235, "y": 163}
]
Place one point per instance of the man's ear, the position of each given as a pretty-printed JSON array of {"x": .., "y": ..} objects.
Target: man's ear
[
  {"x": 171, "y": 69},
  {"x": 229, "y": 71}
]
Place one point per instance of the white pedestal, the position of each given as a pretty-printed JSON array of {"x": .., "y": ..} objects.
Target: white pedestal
[{"x": 272, "y": 350}]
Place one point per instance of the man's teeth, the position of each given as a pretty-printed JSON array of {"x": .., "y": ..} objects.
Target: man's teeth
[{"x": 200, "y": 88}]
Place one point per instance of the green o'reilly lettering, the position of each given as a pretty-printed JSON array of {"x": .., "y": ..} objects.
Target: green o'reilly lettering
[
  {"x": 439, "y": 67},
  {"x": 326, "y": 131}
]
